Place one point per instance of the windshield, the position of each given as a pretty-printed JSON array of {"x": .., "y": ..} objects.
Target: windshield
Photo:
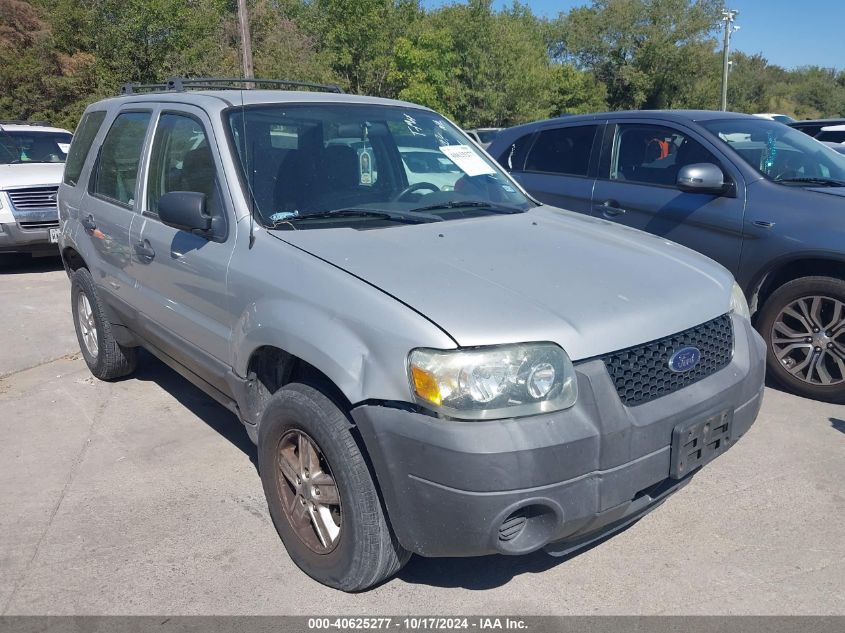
[
  {"x": 314, "y": 166},
  {"x": 33, "y": 147},
  {"x": 780, "y": 153}
]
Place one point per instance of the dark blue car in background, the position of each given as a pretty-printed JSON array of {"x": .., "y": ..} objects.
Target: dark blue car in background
[{"x": 763, "y": 199}]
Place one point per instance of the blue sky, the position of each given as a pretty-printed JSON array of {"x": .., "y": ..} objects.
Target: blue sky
[{"x": 786, "y": 32}]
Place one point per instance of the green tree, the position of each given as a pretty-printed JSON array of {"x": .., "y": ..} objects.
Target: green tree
[
  {"x": 649, "y": 53},
  {"x": 359, "y": 37},
  {"x": 37, "y": 80}
]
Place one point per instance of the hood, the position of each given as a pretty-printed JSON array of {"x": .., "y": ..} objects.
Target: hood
[
  {"x": 30, "y": 174},
  {"x": 546, "y": 275},
  {"x": 831, "y": 191}
]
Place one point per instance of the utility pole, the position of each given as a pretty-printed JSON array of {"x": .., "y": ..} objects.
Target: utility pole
[
  {"x": 728, "y": 17},
  {"x": 246, "y": 40}
]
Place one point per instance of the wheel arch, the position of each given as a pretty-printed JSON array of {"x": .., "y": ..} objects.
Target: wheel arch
[
  {"x": 795, "y": 267},
  {"x": 72, "y": 260}
]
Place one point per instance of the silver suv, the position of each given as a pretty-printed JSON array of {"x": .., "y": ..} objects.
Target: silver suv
[
  {"x": 429, "y": 367},
  {"x": 32, "y": 157}
]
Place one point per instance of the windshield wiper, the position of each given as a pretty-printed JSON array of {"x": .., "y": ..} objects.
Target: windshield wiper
[
  {"x": 353, "y": 212},
  {"x": 458, "y": 204},
  {"x": 828, "y": 182}
]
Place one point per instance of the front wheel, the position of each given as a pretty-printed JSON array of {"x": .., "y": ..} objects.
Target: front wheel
[
  {"x": 803, "y": 323},
  {"x": 320, "y": 493}
]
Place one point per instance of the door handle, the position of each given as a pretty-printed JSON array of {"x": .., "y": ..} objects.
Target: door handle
[
  {"x": 611, "y": 209},
  {"x": 145, "y": 252},
  {"x": 88, "y": 223},
  {"x": 763, "y": 224}
]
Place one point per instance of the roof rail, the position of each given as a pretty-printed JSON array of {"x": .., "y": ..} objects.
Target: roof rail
[
  {"x": 15, "y": 122},
  {"x": 181, "y": 84}
]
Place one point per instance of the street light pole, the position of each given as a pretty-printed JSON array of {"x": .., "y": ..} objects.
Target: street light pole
[
  {"x": 728, "y": 17},
  {"x": 246, "y": 40}
]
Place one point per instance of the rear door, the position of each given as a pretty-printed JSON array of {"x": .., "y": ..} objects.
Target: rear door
[
  {"x": 636, "y": 187},
  {"x": 182, "y": 285},
  {"x": 108, "y": 208},
  {"x": 557, "y": 164}
]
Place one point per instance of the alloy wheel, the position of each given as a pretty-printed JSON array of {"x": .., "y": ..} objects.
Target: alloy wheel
[
  {"x": 808, "y": 339},
  {"x": 308, "y": 491},
  {"x": 87, "y": 327}
]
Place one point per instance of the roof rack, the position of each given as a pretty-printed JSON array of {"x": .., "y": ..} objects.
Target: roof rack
[
  {"x": 15, "y": 122},
  {"x": 181, "y": 84}
]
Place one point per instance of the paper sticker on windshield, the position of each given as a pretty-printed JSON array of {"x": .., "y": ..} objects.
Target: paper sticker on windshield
[
  {"x": 64, "y": 147},
  {"x": 465, "y": 157},
  {"x": 365, "y": 164}
]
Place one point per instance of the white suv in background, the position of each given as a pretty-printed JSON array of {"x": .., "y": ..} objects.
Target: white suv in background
[{"x": 32, "y": 159}]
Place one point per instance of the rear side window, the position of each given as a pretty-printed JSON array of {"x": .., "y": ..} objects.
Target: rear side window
[
  {"x": 563, "y": 150},
  {"x": 513, "y": 158},
  {"x": 120, "y": 154},
  {"x": 81, "y": 145}
]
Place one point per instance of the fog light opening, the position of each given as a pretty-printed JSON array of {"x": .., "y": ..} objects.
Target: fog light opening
[{"x": 527, "y": 529}]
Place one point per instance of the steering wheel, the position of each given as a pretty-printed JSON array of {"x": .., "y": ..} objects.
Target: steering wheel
[{"x": 415, "y": 187}]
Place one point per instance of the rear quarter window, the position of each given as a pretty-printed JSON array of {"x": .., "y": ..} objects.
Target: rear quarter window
[
  {"x": 513, "y": 157},
  {"x": 81, "y": 145}
]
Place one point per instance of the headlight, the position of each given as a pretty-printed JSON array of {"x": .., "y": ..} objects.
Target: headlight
[
  {"x": 738, "y": 302},
  {"x": 486, "y": 383}
]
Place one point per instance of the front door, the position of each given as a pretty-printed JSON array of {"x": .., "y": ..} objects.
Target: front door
[
  {"x": 636, "y": 187},
  {"x": 182, "y": 277}
]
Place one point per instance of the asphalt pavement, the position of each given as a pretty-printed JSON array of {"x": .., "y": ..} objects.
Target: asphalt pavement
[{"x": 141, "y": 496}]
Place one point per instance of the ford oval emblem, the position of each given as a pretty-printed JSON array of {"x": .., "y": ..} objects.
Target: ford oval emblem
[{"x": 684, "y": 359}]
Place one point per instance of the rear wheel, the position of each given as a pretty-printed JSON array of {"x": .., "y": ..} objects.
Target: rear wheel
[
  {"x": 803, "y": 323},
  {"x": 320, "y": 493},
  {"x": 105, "y": 357}
]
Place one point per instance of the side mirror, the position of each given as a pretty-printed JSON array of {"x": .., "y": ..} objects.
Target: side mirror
[
  {"x": 185, "y": 210},
  {"x": 701, "y": 178}
]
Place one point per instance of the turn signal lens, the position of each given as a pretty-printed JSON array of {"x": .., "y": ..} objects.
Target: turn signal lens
[{"x": 425, "y": 384}]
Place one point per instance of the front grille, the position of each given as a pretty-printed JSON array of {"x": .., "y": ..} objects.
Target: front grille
[
  {"x": 642, "y": 373},
  {"x": 34, "y": 198},
  {"x": 46, "y": 224}
]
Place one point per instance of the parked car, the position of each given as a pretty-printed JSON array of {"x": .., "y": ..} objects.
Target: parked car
[
  {"x": 484, "y": 135},
  {"x": 32, "y": 157},
  {"x": 448, "y": 371},
  {"x": 780, "y": 118},
  {"x": 838, "y": 147},
  {"x": 762, "y": 199},
  {"x": 831, "y": 134},
  {"x": 431, "y": 166},
  {"x": 822, "y": 129}
]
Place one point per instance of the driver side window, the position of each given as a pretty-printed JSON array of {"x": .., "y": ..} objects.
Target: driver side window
[
  {"x": 653, "y": 154},
  {"x": 182, "y": 161}
]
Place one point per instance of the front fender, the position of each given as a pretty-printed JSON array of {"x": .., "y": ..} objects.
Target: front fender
[{"x": 354, "y": 333}]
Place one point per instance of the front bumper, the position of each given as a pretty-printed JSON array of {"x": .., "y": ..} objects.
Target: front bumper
[
  {"x": 14, "y": 239},
  {"x": 559, "y": 480}
]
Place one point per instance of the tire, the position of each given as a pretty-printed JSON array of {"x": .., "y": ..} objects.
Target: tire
[
  {"x": 790, "y": 341},
  {"x": 106, "y": 358},
  {"x": 364, "y": 551}
]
